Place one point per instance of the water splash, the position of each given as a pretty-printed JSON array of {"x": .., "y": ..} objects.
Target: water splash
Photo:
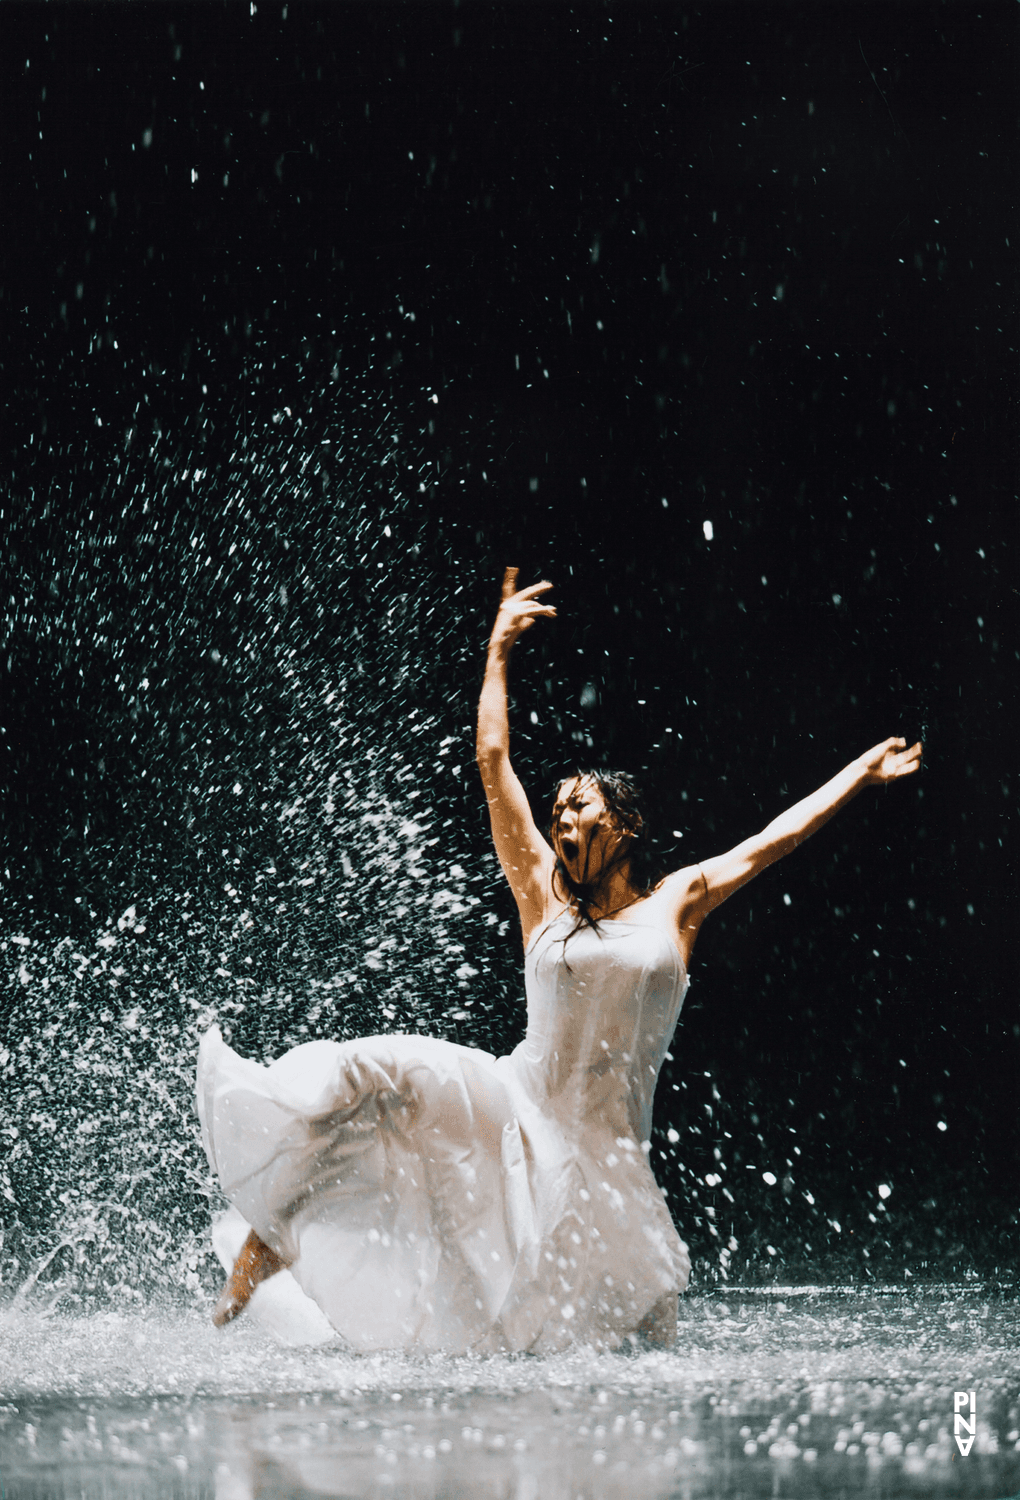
[
  {"x": 246, "y": 763},
  {"x": 767, "y": 1390}
]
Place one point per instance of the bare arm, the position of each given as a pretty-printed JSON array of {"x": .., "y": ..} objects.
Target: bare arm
[
  {"x": 702, "y": 888},
  {"x": 728, "y": 872},
  {"x": 524, "y": 855}
]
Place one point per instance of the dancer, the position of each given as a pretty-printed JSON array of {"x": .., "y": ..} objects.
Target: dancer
[{"x": 429, "y": 1195}]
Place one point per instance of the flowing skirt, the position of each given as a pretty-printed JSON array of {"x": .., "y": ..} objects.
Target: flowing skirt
[{"x": 426, "y": 1198}]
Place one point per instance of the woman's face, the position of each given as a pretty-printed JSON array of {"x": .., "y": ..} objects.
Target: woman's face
[{"x": 585, "y": 834}]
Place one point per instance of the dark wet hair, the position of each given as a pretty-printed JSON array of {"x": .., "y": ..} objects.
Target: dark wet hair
[{"x": 622, "y": 796}]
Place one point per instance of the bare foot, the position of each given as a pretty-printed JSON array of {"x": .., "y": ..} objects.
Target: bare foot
[
  {"x": 255, "y": 1263},
  {"x": 658, "y": 1328}
]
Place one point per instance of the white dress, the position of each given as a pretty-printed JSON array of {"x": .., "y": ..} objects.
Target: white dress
[{"x": 431, "y": 1196}]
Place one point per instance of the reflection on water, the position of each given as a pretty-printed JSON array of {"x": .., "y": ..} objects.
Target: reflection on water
[{"x": 806, "y": 1392}]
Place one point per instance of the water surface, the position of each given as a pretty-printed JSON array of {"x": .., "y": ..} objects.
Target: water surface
[{"x": 793, "y": 1392}]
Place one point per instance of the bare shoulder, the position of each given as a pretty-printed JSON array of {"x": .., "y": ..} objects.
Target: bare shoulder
[
  {"x": 682, "y": 895},
  {"x": 682, "y": 889},
  {"x": 537, "y": 917}
]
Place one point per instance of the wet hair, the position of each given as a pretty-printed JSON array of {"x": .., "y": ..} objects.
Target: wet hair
[{"x": 622, "y": 798}]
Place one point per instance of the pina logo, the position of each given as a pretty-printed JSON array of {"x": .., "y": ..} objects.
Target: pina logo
[{"x": 964, "y": 1401}]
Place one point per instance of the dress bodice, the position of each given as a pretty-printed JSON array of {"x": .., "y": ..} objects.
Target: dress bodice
[{"x": 603, "y": 1003}]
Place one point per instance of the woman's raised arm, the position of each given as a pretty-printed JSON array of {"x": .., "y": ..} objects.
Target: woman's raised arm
[
  {"x": 526, "y": 858},
  {"x": 721, "y": 876}
]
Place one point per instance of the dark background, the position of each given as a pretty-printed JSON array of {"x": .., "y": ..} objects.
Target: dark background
[{"x": 315, "y": 317}]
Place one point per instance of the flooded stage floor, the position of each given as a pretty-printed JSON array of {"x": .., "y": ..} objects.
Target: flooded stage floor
[{"x": 813, "y": 1392}]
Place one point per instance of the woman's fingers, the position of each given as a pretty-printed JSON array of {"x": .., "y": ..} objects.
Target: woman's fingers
[
  {"x": 892, "y": 758},
  {"x": 510, "y": 590},
  {"x": 906, "y": 762},
  {"x": 527, "y": 613},
  {"x": 910, "y": 760},
  {"x": 533, "y": 590},
  {"x": 519, "y": 609}
]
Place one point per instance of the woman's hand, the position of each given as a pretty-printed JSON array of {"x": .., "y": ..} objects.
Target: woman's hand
[
  {"x": 891, "y": 759},
  {"x": 518, "y": 611}
]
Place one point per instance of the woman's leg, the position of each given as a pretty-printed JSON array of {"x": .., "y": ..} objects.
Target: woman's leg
[
  {"x": 255, "y": 1263},
  {"x": 658, "y": 1327}
]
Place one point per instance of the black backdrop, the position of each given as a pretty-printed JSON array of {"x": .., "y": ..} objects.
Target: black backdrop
[{"x": 706, "y": 313}]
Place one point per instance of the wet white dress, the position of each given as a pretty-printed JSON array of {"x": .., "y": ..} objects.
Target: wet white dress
[{"x": 432, "y": 1196}]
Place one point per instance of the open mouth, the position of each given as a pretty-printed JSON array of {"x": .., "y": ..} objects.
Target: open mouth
[{"x": 569, "y": 848}]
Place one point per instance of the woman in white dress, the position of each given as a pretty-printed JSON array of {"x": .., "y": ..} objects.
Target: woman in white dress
[{"x": 427, "y": 1195}]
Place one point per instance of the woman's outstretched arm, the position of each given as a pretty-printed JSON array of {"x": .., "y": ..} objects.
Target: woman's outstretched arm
[
  {"x": 721, "y": 876},
  {"x": 526, "y": 858}
]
